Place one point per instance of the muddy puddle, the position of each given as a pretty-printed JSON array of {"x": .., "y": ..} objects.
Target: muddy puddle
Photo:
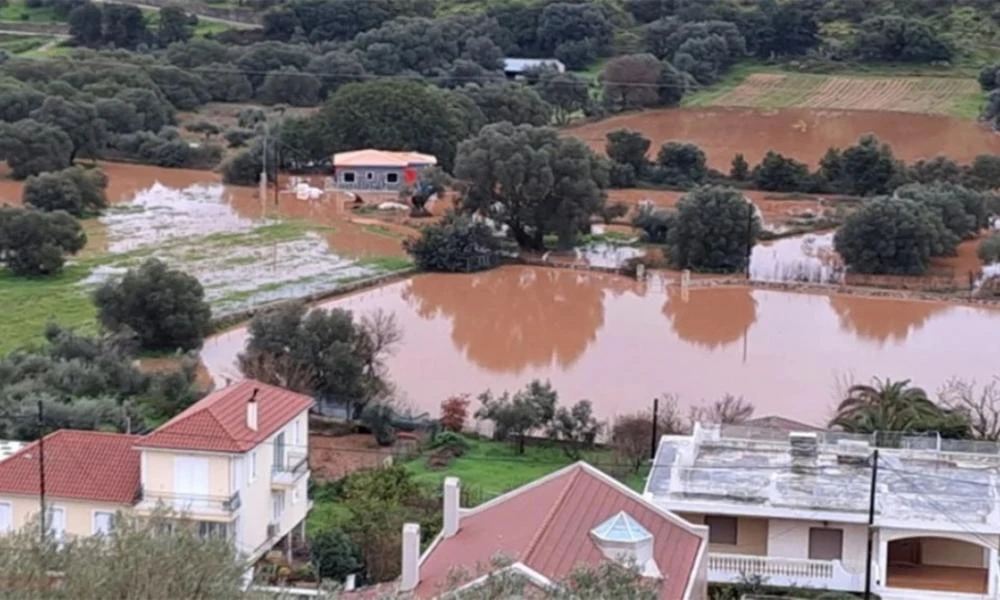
[
  {"x": 803, "y": 134},
  {"x": 620, "y": 343}
]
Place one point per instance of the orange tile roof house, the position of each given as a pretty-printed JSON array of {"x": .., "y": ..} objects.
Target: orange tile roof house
[
  {"x": 235, "y": 463},
  {"x": 575, "y": 516},
  {"x": 378, "y": 170}
]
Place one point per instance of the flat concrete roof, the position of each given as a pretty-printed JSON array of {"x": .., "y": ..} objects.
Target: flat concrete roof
[{"x": 744, "y": 470}]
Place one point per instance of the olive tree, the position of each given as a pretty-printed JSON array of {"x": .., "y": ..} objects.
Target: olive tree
[
  {"x": 182, "y": 564},
  {"x": 458, "y": 243},
  {"x": 34, "y": 243},
  {"x": 533, "y": 180},
  {"x": 75, "y": 190},
  {"x": 628, "y": 147},
  {"x": 888, "y": 235},
  {"x": 165, "y": 308},
  {"x": 566, "y": 92},
  {"x": 322, "y": 352},
  {"x": 31, "y": 147},
  {"x": 534, "y": 407},
  {"x": 713, "y": 231}
]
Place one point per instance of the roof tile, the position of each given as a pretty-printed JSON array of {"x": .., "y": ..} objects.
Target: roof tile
[
  {"x": 547, "y": 525},
  {"x": 217, "y": 423},
  {"x": 85, "y": 465}
]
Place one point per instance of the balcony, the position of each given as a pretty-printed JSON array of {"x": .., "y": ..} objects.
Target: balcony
[
  {"x": 286, "y": 473},
  {"x": 191, "y": 505},
  {"x": 786, "y": 572}
]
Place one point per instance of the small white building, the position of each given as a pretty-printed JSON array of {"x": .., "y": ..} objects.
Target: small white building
[{"x": 794, "y": 509}]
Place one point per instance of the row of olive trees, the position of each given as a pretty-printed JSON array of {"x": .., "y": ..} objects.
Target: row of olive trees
[{"x": 866, "y": 168}]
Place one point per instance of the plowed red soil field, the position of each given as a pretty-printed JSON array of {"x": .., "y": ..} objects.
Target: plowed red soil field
[{"x": 803, "y": 134}]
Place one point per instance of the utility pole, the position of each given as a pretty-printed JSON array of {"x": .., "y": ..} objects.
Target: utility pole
[
  {"x": 749, "y": 235},
  {"x": 277, "y": 165},
  {"x": 653, "y": 441},
  {"x": 871, "y": 526},
  {"x": 263, "y": 170},
  {"x": 41, "y": 466}
]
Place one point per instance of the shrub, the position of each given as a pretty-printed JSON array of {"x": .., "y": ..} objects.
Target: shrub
[
  {"x": 454, "y": 412},
  {"x": 681, "y": 165},
  {"x": 165, "y": 308},
  {"x": 655, "y": 223},
  {"x": 34, "y": 243},
  {"x": 451, "y": 440},
  {"x": 457, "y": 244},
  {"x": 76, "y": 190},
  {"x": 335, "y": 554},
  {"x": 989, "y": 249},
  {"x": 379, "y": 417},
  {"x": 714, "y": 230},
  {"x": 628, "y": 147},
  {"x": 238, "y": 136},
  {"x": 621, "y": 175},
  {"x": 740, "y": 169},
  {"x": 779, "y": 174},
  {"x": 889, "y": 235}
]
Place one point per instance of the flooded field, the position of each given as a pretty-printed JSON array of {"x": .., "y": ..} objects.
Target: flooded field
[
  {"x": 620, "y": 343},
  {"x": 244, "y": 250},
  {"x": 803, "y": 134},
  {"x": 240, "y": 262}
]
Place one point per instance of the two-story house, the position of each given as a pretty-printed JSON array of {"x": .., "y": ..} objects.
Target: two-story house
[
  {"x": 235, "y": 463},
  {"x": 795, "y": 508}
]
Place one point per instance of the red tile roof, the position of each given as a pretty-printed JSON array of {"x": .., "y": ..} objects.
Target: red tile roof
[
  {"x": 546, "y": 526},
  {"x": 85, "y": 465},
  {"x": 218, "y": 422}
]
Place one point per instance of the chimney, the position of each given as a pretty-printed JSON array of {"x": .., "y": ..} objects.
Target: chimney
[
  {"x": 451, "y": 502},
  {"x": 411, "y": 558},
  {"x": 804, "y": 450},
  {"x": 252, "y": 411}
]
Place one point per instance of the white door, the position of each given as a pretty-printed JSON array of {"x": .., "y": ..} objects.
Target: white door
[
  {"x": 57, "y": 522},
  {"x": 191, "y": 483},
  {"x": 6, "y": 518}
]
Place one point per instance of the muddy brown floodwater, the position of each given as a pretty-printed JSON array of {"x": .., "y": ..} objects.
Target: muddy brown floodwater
[
  {"x": 620, "y": 343},
  {"x": 803, "y": 134}
]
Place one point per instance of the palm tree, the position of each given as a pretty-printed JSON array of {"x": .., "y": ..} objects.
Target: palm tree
[{"x": 892, "y": 406}]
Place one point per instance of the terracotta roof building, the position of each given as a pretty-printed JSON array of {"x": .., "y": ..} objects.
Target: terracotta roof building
[
  {"x": 81, "y": 465},
  {"x": 378, "y": 170},
  {"x": 218, "y": 422},
  {"x": 575, "y": 516}
]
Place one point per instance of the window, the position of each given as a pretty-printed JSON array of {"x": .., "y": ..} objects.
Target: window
[
  {"x": 348, "y": 177},
  {"x": 370, "y": 175},
  {"x": 279, "y": 452},
  {"x": 278, "y": 504},
  {"x": 6, "y": 517},
  {"x": 721, "y": 530},
  {"x": 211, "y": 529},
  {"x": 104, "y": 522},
  {"x": 392, "y": 177},
  {"x": 826, "y": 544},
  {"x": 57, "y": 522},
  {"x": 252, "y": 467}
]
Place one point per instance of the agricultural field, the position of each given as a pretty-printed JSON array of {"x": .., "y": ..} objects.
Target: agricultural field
[
  {"x": 922, "y": 95},
  {"x": 21, "y": 44}
]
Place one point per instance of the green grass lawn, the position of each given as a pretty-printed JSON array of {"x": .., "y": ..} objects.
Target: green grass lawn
[
  {"x": 492, "y": 468},
  {"x": 30, "y": 303},
  {"x": 487, "y": 470},
  {"x": 15, "y": 10}
]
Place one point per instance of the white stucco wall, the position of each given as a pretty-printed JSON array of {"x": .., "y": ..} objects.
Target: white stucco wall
[{"x": 789, "y": 538}]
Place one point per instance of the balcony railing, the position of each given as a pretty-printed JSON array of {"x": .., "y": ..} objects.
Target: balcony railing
[
  {"x": 191, "y": 503},
  {"x": 831, "y": 574},
  {"x": 288, "y": 471}
]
